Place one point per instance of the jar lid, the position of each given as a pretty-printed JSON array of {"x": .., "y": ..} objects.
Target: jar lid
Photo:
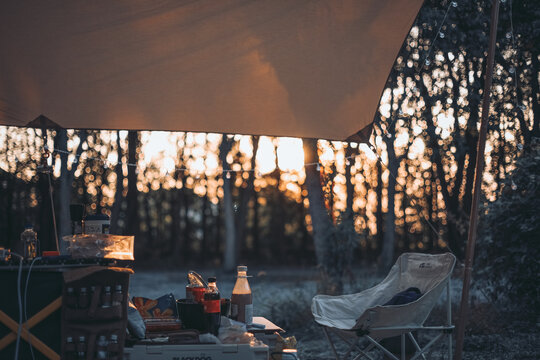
[
  {"x": 241, "y": 268},
  {"x": 96, "y": 217}
]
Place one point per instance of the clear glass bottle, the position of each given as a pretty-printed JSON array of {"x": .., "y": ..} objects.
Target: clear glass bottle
[
  {"x": 70, "y": 348},
  {"x": 84, "y": 299},
  {"x": 113, "y": 347},
  {"x": 241, "y": 299},
  {"x": 106, "y": 297},
  {"x": 71, "y": 299},
  {"x": 30, "y": 242},
  {"x": 81, "y": 348},
  {"x": 117, "y": 296},
  {"x": 102, "y": 343}
]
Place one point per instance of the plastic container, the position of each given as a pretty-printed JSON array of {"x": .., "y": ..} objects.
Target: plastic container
[{"x": 100, "y": 246}]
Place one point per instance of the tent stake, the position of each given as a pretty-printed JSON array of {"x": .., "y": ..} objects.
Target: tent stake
[{"x": 477, "y": 188}]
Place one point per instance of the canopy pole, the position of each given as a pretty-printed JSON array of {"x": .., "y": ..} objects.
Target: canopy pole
[{"x": 480, "y": 161}]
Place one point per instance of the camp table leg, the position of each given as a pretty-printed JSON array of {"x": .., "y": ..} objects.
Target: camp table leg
[{"x": 25, "y": 334}]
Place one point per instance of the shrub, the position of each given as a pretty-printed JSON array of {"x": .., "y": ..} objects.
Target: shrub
[{"x": 508, "y": 248}]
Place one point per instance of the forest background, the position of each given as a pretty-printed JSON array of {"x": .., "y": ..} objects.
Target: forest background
[{"x": 194, "y": 199}]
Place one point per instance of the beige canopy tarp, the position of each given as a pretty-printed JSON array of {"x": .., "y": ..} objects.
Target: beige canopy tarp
[{"x": 302, "y": 68}]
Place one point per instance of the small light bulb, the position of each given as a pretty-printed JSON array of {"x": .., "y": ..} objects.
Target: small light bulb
[
  {"x": 514, "y": 186},
  {"x": 228, "y": 175},
  {"x": 318, "y": 167},
  {"x": 441, "y": 35},
  {"x": 454, "y": 3}
]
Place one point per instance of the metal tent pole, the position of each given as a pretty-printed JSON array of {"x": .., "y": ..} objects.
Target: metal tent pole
[{"x": 480, "y": 160}]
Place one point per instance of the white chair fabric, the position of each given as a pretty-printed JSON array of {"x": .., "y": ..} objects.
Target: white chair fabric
[{"x": 365, "y": 310}]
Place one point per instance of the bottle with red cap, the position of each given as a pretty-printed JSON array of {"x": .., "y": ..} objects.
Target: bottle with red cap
[{"x": 212, "y": 306}]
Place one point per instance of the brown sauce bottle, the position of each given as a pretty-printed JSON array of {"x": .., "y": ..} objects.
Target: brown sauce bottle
[{"x": 241, "y": 299}]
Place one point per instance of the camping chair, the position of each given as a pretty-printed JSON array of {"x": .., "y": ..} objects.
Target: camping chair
[{"x": 363, "y": 316}]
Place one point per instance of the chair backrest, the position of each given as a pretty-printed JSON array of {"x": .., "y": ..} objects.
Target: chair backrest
[
  {"x": 429, "y": 273},
  {"x": 365, "y": 310},
  {"x": 424, "y": 271}
]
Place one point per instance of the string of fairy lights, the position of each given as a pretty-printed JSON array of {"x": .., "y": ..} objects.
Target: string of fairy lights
[{"x": 106, "y": 164}]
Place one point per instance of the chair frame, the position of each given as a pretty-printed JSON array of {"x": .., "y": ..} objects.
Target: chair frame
[{"x": 345, "y": 336}]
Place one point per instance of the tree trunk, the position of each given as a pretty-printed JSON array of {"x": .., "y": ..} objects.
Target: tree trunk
[
  {"x": 378, "y": 212},
  {"x": 255, "y": 228},
  {"x": 177, "y": 207},
  {"x": 348, "y": 180},
  {"x": 406, "y": 230},
  {"x": 389, "y": 238},
  {"x": 204, "y": 224},
  {"x": 64, "y": 191},
  {"x": 535, "y": 96},
  {"x": 118, "y": 196},
  {"x": 186, "y": 248},
  {"x": 277, "y": 219},
  {"x": 320, "y": 219},
  {"x": 246, "y": 194},
  {"x": 46, "y": 228},
  {"x": 229, "y": 261},
  {"x": 430, "y": 195},
  {"x": 132, "y": 227}
]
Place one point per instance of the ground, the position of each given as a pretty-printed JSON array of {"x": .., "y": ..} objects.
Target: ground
[{"x": 284, "y": 296}]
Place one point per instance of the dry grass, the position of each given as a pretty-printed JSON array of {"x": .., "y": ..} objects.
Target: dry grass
[{"x": 284, "y": 296}]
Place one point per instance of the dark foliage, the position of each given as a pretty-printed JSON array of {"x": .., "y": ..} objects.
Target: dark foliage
[{"x": 508, "y": 247}]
